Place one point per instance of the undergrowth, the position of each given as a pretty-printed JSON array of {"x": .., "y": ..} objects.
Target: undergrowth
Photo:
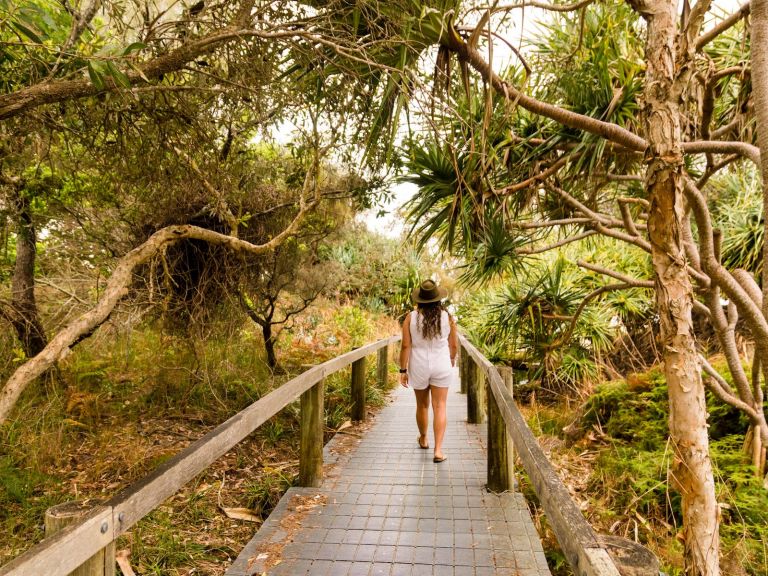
[
  {"x": 620, "y": 465},
  {"x": 129, "y": 398}
]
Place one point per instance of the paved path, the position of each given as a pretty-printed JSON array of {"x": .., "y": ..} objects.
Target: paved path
[{"x": 386, "y": 509}]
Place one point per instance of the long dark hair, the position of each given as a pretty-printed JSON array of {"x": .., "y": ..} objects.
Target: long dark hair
[{"x": 431, "y": 314}]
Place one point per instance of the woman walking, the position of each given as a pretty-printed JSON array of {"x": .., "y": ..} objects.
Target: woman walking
[{"x": 427, "y": 357}]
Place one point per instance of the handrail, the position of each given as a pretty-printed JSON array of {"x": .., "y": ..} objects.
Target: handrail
[
  {"x": 577, "y": 539},
  {"x": 63, "y": 552}
]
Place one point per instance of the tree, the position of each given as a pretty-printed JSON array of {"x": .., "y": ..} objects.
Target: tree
[
  {"x": 193, "y": 85},
  {"x": 576, "y": 154}
]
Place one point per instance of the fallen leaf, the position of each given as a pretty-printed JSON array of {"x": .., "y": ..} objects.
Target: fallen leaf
[{"x": 247, "y": 514}]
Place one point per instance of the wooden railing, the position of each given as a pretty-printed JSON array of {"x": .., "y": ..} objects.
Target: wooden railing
[
  {"x": 65, "y": 551},
  {"x": 586, "y": 555}
]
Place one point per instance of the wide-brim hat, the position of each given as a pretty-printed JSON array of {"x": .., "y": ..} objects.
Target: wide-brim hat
[{"x": 428, "y": 292}]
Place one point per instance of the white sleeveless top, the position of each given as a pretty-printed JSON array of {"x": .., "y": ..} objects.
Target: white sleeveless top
[{"x": 430, "y": 360}]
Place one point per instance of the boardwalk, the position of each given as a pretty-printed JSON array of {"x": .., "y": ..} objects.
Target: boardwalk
[{"x": 386, "y": 509}]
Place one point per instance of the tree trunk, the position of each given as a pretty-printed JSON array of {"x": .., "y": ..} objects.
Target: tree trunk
[
  {"x": 759, "y": 64},
  {"x": 691, "y": 469},
  {"x": 269, "y": 345},
  {"x": 26, "y": 319}
]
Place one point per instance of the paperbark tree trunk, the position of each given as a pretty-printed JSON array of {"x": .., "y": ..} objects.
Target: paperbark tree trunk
[
  {"x": 759, "y": 64},
  {"x": 26, "y": 318},
  {"x": 691, "y": 472}
]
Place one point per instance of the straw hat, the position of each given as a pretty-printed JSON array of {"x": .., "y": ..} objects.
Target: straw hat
[{"x": 428, "y": 292}]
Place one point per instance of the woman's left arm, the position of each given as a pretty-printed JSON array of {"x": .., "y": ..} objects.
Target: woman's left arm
[{"x": 453, "y": 340}]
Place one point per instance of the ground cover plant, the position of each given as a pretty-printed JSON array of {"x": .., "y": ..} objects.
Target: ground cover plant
[
  {"x": 613, "y": 453},
  {"x": 131, "y": 399}
]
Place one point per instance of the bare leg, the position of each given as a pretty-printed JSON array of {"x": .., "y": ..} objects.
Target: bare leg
[
  {"x": 422, "y": 414},
  {"x": 439, "y": 398}
]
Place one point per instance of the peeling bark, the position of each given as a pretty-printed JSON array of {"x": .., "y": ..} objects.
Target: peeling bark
[
  {"x": 691, "y": 472},
  {"x": 759, "y": 66}
]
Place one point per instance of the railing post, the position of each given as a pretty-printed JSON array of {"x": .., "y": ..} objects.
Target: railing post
[
  {"x": 475, "y": 394},
  {"x": 311, "y": 449},
  {"x": 508, "y": 375},
  {"x": 382, "y": 367},
  {"x": 500, "y": 449},
  {"x": 463, "y": 370},
  {"x": 358, "y": 390},
  {"x": 62, "y": 515}
]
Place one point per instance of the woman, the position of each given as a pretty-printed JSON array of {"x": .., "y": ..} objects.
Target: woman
[{"x": 427, "y": 357}]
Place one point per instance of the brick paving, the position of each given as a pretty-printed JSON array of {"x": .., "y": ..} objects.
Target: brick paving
[{"x": 389, "y": 510}]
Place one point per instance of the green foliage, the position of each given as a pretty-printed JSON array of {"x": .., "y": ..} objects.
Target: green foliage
[
  {"x": 159, "y": 546},
  {"x": 264, "y": 494},
  {"x": 377, "y": 272},
  {"x": 631, "y": 471},
  {"x": 528, "y": 319},
  {"x": 737, "y": 209}
]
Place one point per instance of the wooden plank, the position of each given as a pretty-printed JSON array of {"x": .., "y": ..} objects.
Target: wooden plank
[
  {"x": 358, "y": 390},
  {"x": 311, "y": 448},
  {"x": 498, "y": 467},
  {"x": 63, "y": 552},
  {"x": 138, "y": 500},
  {"x": 573, "y": 532},
  {"x": 382, "y": 366},
  {"x": 600, "y": 562},
  {"x": 507, "y": 374},
  {"x": 464, "y": 363},
  {"x": 62, "y": 515},
  {"x": 475, "y": 394}
]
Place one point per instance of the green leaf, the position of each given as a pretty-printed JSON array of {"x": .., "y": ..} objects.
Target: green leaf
[
  {"x": 118, "y": 75},
  {"x": 27, "y": 32},
  {"x": 134, "y": 47},
  {"x": 97, "y": 78}
]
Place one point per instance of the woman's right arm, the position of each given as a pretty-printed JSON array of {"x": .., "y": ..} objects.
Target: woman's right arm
[{"x": 405, "y": 349}]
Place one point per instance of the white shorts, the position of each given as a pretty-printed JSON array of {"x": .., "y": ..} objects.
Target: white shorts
[{"x": 420, "y": 379}]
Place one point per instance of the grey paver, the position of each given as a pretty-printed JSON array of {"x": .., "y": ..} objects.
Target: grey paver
[{"x": 391, "y": 511}]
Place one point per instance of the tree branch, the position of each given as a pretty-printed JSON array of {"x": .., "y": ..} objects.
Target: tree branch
[
  {"x": 715, "y": 31},
  {"x": 531, "y": 251},
  {"x": 117, "y": 288},
  {"x": 716, "y": 271},
  {"x": 535, "y": 4},
  {"x": 608, "y": 130}
]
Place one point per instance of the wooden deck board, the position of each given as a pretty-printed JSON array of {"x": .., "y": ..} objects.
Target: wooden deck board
[{"x": 385, "y": 508}]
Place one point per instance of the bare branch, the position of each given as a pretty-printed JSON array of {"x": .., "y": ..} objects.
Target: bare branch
[
  {"x": 62, "y": 290},
  {"x": 715, "y": 31},
  {"x": 543, "y": 5},
  {"x": 116, "y": 288},
  {"x": 591, "y": 296},
  {"x": 722, "y": 390},
  {"x": 610, "y": 131},
  {"x": 549, "y": 223},
  {"x": 628, "y": 280},
  {"x": 626, "y": 215},
  {"x": 530, "y": 251},
  {"x": 716, "y": 271},
  {"x": 719, "y": 147},
  {"x": 556, "y": 166},
  {"x": 723, "y": 130}
]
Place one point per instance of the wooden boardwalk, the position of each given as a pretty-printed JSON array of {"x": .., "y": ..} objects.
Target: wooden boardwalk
[{"x": 384, "y": 508}]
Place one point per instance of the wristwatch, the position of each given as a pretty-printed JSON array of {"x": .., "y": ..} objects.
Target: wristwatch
[{"x": 403, "y": 370}]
